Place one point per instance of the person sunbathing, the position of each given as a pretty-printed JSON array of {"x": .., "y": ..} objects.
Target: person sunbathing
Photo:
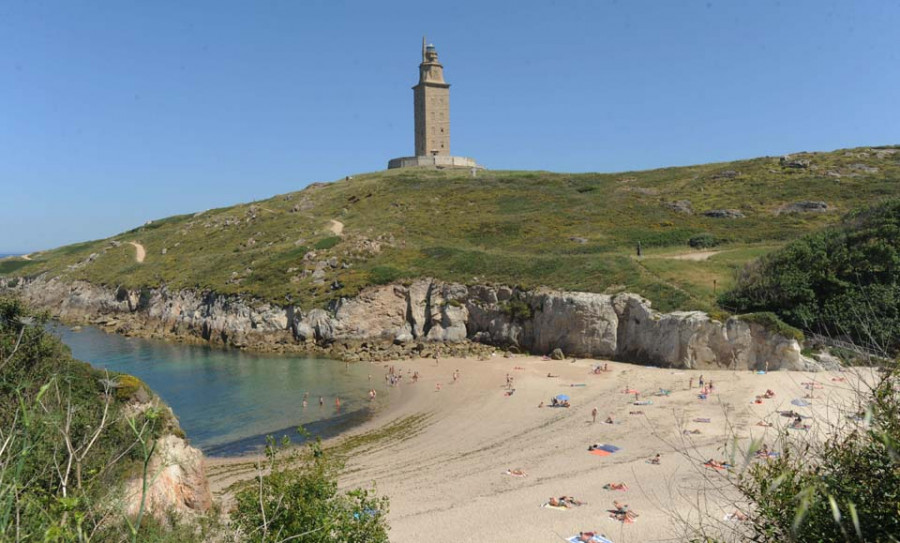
[
  {"x": 564, "y": 501},
  {"x": 621, "y": 512},
  {"x": 769, "y": 393},
  {"x": 609, "y": 420},
  {"x": 688, "y": 432},
  {"x": 615, "y": 486},
  {"x": 517, "y": 472},
  {"x": 551, "y": 375},
  {"x": 716, "y": 464},
  {"x": 656, "y": 459},
  {"x": 764, "y": 424}
]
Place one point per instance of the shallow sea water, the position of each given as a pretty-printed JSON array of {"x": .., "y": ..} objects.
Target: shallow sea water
[{"x": 227, "y": 401}]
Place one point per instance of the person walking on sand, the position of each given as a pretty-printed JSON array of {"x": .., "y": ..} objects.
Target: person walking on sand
[
  {"x": 701, "y": 381},
  {"x": 437, "y": 387},
  {"x": 594, "y": 415},
  {"x": 690, "y": 383}
]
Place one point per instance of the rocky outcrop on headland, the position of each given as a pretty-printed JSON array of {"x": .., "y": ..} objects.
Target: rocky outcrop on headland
[{"x": 427, "y": 315}]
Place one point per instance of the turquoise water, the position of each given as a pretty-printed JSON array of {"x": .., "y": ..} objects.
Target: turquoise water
[{"x": 226, "y": 400}]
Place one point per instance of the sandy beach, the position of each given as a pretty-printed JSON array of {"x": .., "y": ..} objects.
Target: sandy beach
[{"x": 448, "y": 482}]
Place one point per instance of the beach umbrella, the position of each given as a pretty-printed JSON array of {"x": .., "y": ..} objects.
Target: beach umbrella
[{"x": 562, "y": 398}]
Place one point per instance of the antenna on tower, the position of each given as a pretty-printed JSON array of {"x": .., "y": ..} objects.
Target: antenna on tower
[{"x": 423, "y": 48}]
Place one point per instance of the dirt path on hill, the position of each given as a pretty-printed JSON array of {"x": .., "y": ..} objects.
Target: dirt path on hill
[
  {"x": 693, "y": 255},
  {"x": 140, "y": 252},
  {"x": 336, "y": 227},
  {"x": 26, "y": 257}
]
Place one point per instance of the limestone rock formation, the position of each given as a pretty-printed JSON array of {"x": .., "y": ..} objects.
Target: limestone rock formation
[
  {"x": 581, "y": 324},
  {"x": 177, "y": 481}
]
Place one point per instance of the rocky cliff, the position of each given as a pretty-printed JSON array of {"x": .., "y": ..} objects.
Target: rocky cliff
[{"x": 622, "y": 326}]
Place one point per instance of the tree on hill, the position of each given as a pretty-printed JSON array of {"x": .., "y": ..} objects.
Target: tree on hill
[{"x": 842, "y": 282}]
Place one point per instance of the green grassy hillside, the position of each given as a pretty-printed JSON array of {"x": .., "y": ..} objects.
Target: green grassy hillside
[{"x": 573, "y": 231}]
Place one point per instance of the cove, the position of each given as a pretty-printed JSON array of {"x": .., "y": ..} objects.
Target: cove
[{"x": 227, "y": 401}]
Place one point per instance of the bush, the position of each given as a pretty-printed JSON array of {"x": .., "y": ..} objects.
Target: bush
[
  {"x": 843, "y": 281},
  {"x": 518, "y": 310},
  {"x": 846, "y": 490},
  {"x": 299, "y": 498},
  {"x": 382, "y": 275},
  {"x": 703, "y": 241},
  {"x": 327, "y": 243},
  {"x": 771, "y": 322}
]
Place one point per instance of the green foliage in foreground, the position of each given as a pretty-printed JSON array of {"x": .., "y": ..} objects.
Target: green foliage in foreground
[
  {"x": 299, "y": 498},
  {"x": 66, "y": 439},
  {"x": 570, "y": 231},
  {"x": 845, "y": 490},
  {"x": 843, "y": 281}
]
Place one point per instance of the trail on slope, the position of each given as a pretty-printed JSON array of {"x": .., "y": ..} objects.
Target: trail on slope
[
  {"x": 695, "y": 255},
  {"x": 336, "y": 227},
  {"x": 140, "y": 253}
]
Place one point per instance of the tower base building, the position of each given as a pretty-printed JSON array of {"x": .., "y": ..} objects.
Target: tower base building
[{"x": 432, "y": 119}]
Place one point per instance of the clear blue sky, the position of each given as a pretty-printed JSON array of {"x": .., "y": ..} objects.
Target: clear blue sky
[{"x": 115, "y": 112}]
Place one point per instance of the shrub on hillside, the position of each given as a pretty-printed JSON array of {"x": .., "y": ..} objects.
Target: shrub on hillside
[
  {"x": 382, "y": 275},
  {"x": 843, "y": 281},
  {"x": 703, "y": 241},
  {"x": 327, "y": 243},
  {"x": 771, "y": 322}
]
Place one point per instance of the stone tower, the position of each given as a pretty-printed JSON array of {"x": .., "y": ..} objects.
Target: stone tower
[
  {"x": 432, "y": 106},
  {"x": 431, "y": 101}
]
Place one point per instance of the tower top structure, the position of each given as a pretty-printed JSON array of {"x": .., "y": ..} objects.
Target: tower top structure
[{"x": 431, "y": 107}]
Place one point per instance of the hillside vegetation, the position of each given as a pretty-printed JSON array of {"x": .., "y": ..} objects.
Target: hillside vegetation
[
  {"x": 842, "y": 281},
  {"x": 572, "y": 231}
]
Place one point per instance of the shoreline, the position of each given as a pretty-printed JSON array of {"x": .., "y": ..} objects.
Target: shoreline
[{"x": 447, "y": 478}]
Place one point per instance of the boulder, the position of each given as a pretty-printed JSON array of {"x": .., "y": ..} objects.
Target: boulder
[
  {"x": 724, "y": 214},
  {"x": 558, "y": 354}
]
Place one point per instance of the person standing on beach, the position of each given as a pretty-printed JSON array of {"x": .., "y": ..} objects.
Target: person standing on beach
[
  {"x": 337, "y": 402},
  {"x": 690, "y": 383},
  {"x": 594, "y": 415},
  {"x": 701, "y": 381},
  {"x": 321, "y": 401}
]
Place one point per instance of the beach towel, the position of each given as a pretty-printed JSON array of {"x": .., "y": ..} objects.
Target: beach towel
[
  {"x": 643, "y": 402},
  {"x": 609, "y": 486},
  {"x": 663, "y": 392},
  {"x": 578, "y": 385},
  {"x": 701, "y": 396},
  {"x": 702, "y": 419},
  {"x": 799, "y": 402},
  {"x": 760, "y": 372},
  {"x": 631, "y": 391},
  {"x": 723, "y": 467},
  {"x": 597, "y": 538},
  {"x": 803, "y": 427},
  {"x": 604, "y": 450},
  {"x": 556, "y": 507}
]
